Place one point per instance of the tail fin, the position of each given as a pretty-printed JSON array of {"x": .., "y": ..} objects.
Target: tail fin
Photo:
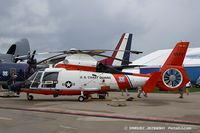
[
  {"x": 12, "y": 49},
  {"x": 22, "y": 47},
  {"x": 172, "y": 74},
  {"x": 123, "y": 44},
  {"x": 178, "y": 54},
  {"x": 151, "y": 83}
]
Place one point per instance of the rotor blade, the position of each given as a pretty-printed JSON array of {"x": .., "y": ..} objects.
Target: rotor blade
[
  {"x": 98, "y": 51},
  {"x": 129, "y": 66},
  {"x": 33, "y": 54},
  {"x": 56, "y": 59},
  {"x": 106, "y": 50},
  {"x": 101, "y": 55},
  {"x": 43, "y": 53},
  {"x": 49, "y": 58},
  {"x": 75, "y": 51}
]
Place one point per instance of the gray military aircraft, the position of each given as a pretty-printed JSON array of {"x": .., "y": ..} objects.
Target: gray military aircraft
[
  {"x": 20, "y": 48},
  {"x": 8, "y": 61}
]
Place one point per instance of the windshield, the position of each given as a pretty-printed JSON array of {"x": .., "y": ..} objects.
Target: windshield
[
  {"x": 36, "y": 81},
  {"x": 32, "y": 76}
]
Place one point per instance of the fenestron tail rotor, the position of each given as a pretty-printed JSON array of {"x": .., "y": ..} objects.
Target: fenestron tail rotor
[{"x": 172, "y": 78}]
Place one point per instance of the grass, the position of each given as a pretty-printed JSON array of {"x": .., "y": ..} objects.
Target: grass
[
  {"x": 193, "y": 89},
  {"x": 156, "y": 90}
]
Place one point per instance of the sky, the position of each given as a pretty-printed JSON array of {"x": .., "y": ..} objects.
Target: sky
[{"x": 51, "y": 25}]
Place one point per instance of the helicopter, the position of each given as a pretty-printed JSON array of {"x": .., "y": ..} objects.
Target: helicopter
[{"x": 59, "y": 81}]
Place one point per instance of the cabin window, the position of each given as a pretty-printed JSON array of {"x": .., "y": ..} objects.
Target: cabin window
[{"x": 50, "y": 79}]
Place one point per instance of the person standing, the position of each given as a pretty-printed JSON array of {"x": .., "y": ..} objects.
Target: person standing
[
  {"x": 140, "y": 91},
  {"x": 188, "y": 85},
  {"x": 181, "y": 92},
  {"x": 11, "y": 83}
]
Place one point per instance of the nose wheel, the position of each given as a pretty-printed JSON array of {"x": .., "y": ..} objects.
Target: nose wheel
[{"x": 29, "y": 97}]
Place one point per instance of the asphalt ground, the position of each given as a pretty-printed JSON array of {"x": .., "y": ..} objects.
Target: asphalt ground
[{"x": 65, "y": 114}]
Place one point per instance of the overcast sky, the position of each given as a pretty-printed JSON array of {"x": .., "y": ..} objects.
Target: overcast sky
[{"x": 51, "y": 25}]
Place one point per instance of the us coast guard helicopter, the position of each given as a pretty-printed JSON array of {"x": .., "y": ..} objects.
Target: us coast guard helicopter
[
  {"x": 70, "y": 60},
  {"x": 59, "y": 81}
]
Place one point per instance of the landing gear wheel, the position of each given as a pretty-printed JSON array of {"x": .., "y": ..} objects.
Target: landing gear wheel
[
  {"x": 55, "y": 95},
  {"x": 81, "y": 98},
  {"x": 102, "y": 96},
  {"x": 88, "y": 96},
  {"x": 30, "y": 97},
  {"x": 18, "y": 93}
]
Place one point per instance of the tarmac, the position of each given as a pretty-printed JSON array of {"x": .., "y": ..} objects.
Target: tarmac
[{"x": 64, "y": 114}]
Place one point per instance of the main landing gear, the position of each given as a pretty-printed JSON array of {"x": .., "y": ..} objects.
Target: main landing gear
[
  {"x": 83, "y": 96},
  {"x": 102, "y": 96},
  {"x": 29, "y": 97}
]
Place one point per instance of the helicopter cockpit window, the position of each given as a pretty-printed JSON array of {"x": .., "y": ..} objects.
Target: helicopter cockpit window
[
  {"x": 50, "y": 79},
  {"x": 32, "y": 76},
  {"x": 36, "y": 79}
]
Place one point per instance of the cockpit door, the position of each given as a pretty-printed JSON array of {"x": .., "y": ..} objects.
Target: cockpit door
[{"x": 49, "y": 80}]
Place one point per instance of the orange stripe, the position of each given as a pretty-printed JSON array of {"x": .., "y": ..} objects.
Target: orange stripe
[
  {"x": 122, "y": 81},
  {"x": 141, "y": 75},
  {"x": 76, "y": 67},
  {"x": 59, "y": 92}
]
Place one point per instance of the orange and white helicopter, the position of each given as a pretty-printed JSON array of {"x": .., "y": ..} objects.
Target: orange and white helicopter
[
  {"x": 59, "y": 81},
  {"x": 83, "y": 59}
]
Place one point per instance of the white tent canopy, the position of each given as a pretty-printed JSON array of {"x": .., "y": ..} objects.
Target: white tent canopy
[{"x": 158, "y": 58}]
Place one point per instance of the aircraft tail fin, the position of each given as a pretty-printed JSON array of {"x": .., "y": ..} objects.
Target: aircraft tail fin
[
  {"x": 121, "y": 51},
  {"x": 151, "y": 83},
  {"x": 173, "y": 76},
  {"x": 177, "y": 55},
  {"x": 22, "y": 47},
  {"x": 12, "y": 49}
]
